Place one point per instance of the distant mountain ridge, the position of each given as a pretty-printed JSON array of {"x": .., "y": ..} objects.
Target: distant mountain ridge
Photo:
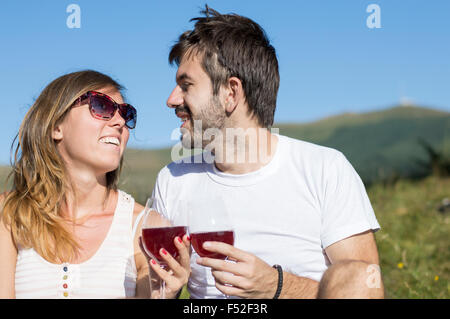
[
  {"x": 379, "y": 143},
  {"x": 352, "y": 119}
]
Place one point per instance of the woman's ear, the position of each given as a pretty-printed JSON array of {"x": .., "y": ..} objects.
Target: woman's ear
[
  {"x": 57, "y": 133},
  {"x": 235, "y": 94}
]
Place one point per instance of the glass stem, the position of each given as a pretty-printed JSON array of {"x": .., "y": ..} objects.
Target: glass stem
[{"x": 162, "y": 290}]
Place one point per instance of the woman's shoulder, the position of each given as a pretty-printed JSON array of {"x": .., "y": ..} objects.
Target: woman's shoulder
[
  {"x": 5, "y": 229},
  {"x": 2, "y": 202},
  {"x": 137, "y": 209}
]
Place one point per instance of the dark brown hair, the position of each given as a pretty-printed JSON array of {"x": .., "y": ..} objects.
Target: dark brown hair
[{"x": 234, "y": 46}]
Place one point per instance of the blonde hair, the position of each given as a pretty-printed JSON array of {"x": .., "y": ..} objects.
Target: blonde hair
[{"x": 32, "y": 209}]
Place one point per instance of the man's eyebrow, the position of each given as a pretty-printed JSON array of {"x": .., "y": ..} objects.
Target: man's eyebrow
[{"x": 183, "y": 76}]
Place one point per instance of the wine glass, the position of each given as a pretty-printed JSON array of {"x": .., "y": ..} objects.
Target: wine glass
[
  {"x": 210, "y": 222},
  {"x": 158, "y": 232}
]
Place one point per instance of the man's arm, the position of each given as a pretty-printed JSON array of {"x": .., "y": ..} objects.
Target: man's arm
[
  {"x": 360, "y": 247},
  {"x": 296, "y": 287},
  {"x": 355, "y": 271},
  {"x": 251, "y": 277}
]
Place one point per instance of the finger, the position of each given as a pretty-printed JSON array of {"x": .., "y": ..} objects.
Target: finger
[
  {"x": 171, "y": 262},
  {"x": 187, "y": 242},
  {"x": 183, "y": 246},
  {"x": 226, "y": 278},
  {"x": 172, "y": 282},
  {"x": 161, "y": 272},
  {"x": 227, "y": 250},
  {"x": 222, "y": 265},
  {"x": 230, "y": 290},
  {"x": 180, "y": 270}
]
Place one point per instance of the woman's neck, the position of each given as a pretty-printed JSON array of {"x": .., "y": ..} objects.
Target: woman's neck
[{"x": 88, "y": 194}]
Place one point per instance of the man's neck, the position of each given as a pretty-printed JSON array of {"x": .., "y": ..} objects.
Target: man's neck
[{"x": 245, "y": 150}]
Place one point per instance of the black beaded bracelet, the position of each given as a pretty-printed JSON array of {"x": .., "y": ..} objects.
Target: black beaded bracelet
[{"x": 280, "y": 281}]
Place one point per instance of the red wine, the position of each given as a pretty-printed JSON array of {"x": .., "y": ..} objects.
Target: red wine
[
  {"x": 156, "y": 238},
  {"x": 197, "y": 240}
]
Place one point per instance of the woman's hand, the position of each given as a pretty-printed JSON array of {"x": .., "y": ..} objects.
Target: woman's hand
[{"x": 177, "y": 273}]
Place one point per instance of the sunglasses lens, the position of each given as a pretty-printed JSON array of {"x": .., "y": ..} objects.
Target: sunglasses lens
[
  {"x": 129, "y": 114},
  {"x": 102, "y": 107}
]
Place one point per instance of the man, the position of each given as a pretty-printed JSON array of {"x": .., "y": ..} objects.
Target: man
[{"x": 294, "y": 204}]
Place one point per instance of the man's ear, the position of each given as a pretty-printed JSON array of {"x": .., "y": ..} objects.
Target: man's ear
[
  {"x": 235, "y": 94},
  {"x": 57, "y": 133}
]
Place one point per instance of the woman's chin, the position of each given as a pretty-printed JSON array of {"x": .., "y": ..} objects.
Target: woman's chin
[{"x": 109, "y": 167}]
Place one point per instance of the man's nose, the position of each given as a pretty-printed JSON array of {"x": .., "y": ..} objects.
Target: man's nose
[{"x": 175, "y": 98}]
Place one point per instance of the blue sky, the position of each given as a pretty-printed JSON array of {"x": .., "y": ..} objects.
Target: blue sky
[{"x": 330, "y": 61}]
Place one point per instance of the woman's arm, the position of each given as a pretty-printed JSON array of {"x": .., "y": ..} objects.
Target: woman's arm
[
  {"x": 142, "y": 281},
  {"x": 8, "y": 258}
]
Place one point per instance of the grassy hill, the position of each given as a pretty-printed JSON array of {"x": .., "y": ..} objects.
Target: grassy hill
[
  {"x": 413, "y": 241},
  {"x": 382, "y": 143}
]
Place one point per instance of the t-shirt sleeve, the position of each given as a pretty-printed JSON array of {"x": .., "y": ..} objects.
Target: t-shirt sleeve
[{"x": 346, "y": 210}]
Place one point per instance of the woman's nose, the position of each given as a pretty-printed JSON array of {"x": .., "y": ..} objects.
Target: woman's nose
[{"x": 117, "y": 119}]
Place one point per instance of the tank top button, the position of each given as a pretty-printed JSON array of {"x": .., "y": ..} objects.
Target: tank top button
[{"x": 66, "y": 294}]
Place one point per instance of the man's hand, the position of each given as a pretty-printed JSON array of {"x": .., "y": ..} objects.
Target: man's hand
[{"x": 249, "y": 276}]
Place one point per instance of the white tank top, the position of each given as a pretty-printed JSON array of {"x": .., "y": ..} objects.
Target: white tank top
[{"x": 110, "y": 273}]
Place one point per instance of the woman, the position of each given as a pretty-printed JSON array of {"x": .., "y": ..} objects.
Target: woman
[{"x": 66, "y": 231}]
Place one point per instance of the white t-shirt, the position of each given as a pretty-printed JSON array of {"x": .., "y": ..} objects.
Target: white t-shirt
[{"x": 287, "y": 212}]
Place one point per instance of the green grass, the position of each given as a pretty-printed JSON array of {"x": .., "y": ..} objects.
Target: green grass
[
  {"x": 184, "y": 293},
  {"x": 412, "y": 233},
  {"x": 413, "y": 242}
]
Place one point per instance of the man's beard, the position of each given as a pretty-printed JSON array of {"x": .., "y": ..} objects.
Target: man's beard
[{"x": 211, "y": 118}]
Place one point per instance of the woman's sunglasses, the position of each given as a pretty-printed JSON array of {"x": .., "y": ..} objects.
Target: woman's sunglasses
[{"x": 103, "y": 107}]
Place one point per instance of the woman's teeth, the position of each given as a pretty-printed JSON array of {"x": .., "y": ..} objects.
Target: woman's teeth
[{"x": 110, "y": 140}]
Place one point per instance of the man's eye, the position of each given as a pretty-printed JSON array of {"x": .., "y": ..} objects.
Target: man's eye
[{"x": 185, "y": 86}]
